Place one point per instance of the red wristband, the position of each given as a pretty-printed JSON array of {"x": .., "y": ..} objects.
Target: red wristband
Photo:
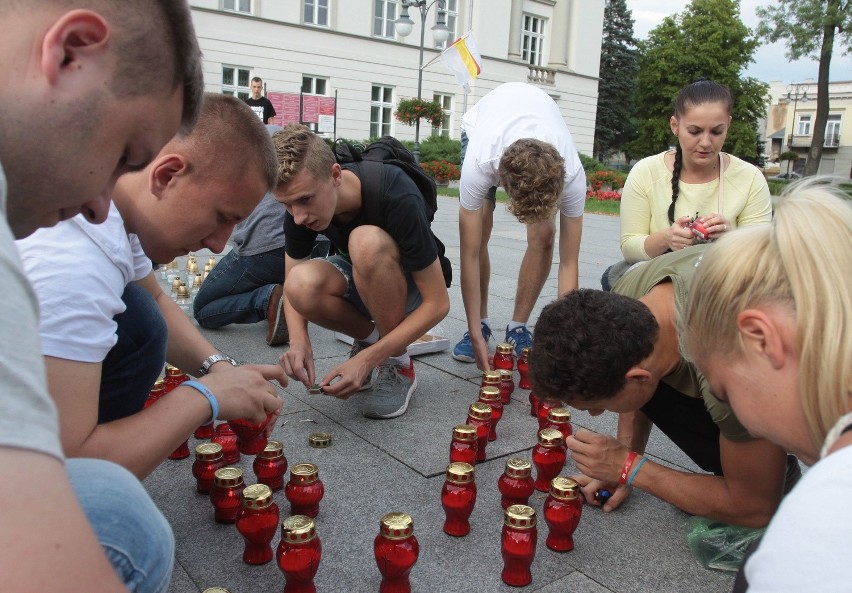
[{"x": 625, "y": 471}]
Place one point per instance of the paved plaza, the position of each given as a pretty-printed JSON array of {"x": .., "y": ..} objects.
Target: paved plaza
[{"x": 377, "y": 466}]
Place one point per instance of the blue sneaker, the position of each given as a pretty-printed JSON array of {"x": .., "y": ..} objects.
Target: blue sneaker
[
  {"x": 464, "y": 349},
  {"x": 519, "y": 338}
]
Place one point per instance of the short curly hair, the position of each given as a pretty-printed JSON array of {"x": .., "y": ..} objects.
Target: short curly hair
[
  {"x": 532, "y": 172},
  {"x": 297, "y": 148},
  {"x": 585, "y": 342}
]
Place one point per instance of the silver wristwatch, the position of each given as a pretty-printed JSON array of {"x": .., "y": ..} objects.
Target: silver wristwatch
[{"x": 213, "y": 359}]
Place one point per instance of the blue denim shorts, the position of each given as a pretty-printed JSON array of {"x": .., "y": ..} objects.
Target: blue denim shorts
[{"x": 344, "y": 266}]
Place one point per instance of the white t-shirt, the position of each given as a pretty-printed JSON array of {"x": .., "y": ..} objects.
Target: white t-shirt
[
  {"x": 806, "y": 546},
  {"x": 510, "y": 112},
  {"x": 79, "y": 271},
  {"x": 28, "y": 418}
]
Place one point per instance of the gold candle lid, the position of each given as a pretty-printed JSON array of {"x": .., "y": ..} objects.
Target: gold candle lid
[
  {"x": 273, "y": 450},
  {"x": 459, "y": 472},
  {"x": 319, "y": 440},
  {"x": 256, "y": 496},
  {"x": 506, "y": 375},
  {"x": 197, "y": 280},
  {"x": 491, "y": 377},
  {"x": 159, "y": 385},
  {"x": 207, "y": 268},
  {"x": 564, "y": 488},
  {"x": 550, "y": 437},
  {"x": 211, "y": 261},
  {"x": 397, "y": 525},
  {"x": 228, "y": 477},
  {"x": 175, "y": 284},
  {"x": 298, "y": 529},
  {"x": 525, "y": 351},
  {"x": 173, "y": 371},
  {"x": 182, "y": 292},
  {"x": 464, "y": 432},
  {"x": 172, "y": 265},
  {"x": 518, "y": 468},
  {"x": 216, "y": 590},
  {"x": 504, "y": 348},
  {"x": 479, "y": 411},
  {"x": 559, "y": 415},
  {"x": 304, "y": 473},
  {"x": 208, "y": 452},
  {"x": 192, "y": 268},
  {"x": 520, "y": 516},
  {"x": 489, "y": 394}
]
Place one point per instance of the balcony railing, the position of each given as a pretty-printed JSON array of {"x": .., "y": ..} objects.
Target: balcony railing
[
  {"x": 540, "y": 75},
  {"x": 797, "y": 141},
  {"x": 832, "y": 141}
]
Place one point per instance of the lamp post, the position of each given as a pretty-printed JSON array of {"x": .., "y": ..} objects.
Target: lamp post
[
  {"x": 793, "y": 95},
  {"x": 440, "y": 32}
]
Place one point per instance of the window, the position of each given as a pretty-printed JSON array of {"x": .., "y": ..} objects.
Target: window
[
  {"x": 804, "y": 127},
  {"x": 451, "y": 16},
  {"x": 381, "y": 111},
  {"x": 316, "y": 12},
  {"x": 238, "y": 5},
  {"x": 313, "y": 85},
  {"x": 532, "y": 40},
  {"x": 235, "y": 81},
  {"x": 446, "y": 103},
  {"x": 832, "y": 131},
  {"x": 384, "y": 16}
]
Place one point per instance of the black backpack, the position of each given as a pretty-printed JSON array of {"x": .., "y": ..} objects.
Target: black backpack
[{"x": 388, "y": 149}]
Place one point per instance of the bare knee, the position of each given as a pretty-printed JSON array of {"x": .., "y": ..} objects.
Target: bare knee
[
  {"x": 541, "y": 236},
  {"x": 371, "y": 246},
  {"x": 306, "y": 282}
]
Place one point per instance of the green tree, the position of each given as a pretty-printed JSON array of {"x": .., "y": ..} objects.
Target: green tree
[
  {"x": 810, "y": 28},
  {"x": 615, "y": 124},
  {"x": 707, "y": 40}
]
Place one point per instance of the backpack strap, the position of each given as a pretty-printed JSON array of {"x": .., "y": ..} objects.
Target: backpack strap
[{"x": 372, "y": 181}]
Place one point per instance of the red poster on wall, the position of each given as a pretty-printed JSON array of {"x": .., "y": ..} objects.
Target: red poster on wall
[
  {"x": 286, "y": 107},
  {"x": 310, "y": 108}
]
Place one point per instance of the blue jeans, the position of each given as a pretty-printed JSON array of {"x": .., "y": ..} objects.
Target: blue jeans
[
  {"x": 134, "y": 363},
  {"x": 135, "y": 536}
]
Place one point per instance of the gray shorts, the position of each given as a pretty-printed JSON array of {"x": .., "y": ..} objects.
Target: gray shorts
[
  {"x": 492, "y": 193},
  {"x": 344, "y": 266}
]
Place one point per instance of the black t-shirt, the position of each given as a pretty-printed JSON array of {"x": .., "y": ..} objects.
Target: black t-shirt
[
  {"x": 262, "y": 107},
  {"x": 401, "y": 213}
]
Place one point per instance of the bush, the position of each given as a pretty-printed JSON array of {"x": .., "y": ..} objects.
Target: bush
[
  {"x": 440, "y": 148},
  {"x": 776, "y": 186},
  {"x": 442, "y": 171},
  {"x": 607, "y": 196},
  {"x": 590, "y": 165},
  {"x": 601, "y": 179}
]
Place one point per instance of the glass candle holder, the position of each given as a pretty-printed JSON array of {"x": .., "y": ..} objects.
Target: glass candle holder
[
  {"x": 396, "y": 550},
  {"x": 226, "y": 437},
  {"x": 458, "y": 497},
  {"x": 463, "y": 444},
  {"x": 549, "y": 457},
  {"x": 490, "y": 379},
  {"x": 251, "y": 437},
  {"x": 518, "y": 544},
  {"x": 524, "y": 369},
  {"x": 544, "y": 406},
  {"x": 516, "y": 483},
  {"x": 562, "y": 511},
  {"x": 534, "y": 403},
  {"x": 205, "y": 431},
  {"x": 270, "y": 465},
  {"x": 208, "y": 458},
  {"x": 479, "y": 416},
  {"x": 157, "y": 391},
  {"x": 299, "y": 554},
  {"x": 491, "y": 397},
  {"x": 174, "y": 377},
  {"x": 257, "y": 522},
  {"x": 504, "y": 357},
  {"x": 507, "y": 386},
  {"x": 225, "y": 495},
  {"x": 560, "y": 419},
  {"x": 304, "y": 490}
]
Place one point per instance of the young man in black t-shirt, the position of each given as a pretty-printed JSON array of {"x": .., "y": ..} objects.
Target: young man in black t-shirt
[
  {"x": 260, "y": 105},
  {"x": 384, "y": 286}
]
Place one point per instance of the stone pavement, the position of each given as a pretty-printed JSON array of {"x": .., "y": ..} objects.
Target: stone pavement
[{"x": 377, "y": 466}]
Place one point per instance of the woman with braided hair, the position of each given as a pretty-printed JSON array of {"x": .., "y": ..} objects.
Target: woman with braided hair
[{"x": 665, "y": 191}]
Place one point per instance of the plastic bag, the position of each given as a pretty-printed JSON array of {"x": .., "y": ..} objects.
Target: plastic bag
[{"x": 719, "y": 545}]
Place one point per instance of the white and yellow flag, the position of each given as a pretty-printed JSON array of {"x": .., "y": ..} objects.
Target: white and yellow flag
[{"x": 463, "y": 59}]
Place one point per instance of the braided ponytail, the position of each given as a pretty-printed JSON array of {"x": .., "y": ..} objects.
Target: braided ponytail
[{"x": 678, "y": 162}]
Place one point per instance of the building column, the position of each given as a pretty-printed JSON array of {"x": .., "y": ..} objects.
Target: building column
[
  {"x": 560, "y": 31},
  {"x": 515, "y": 30}
]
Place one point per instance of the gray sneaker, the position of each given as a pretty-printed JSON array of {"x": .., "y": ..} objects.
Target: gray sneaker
[
  {"x": 357, "y": 346},
  {"x": 391, "y": 391}
]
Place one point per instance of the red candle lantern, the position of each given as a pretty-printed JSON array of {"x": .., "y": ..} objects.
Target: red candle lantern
[
  {"x": 516, "y": 483},
  {"x": 226, "y": 437},
  {"x": 504, "y": 358},
  {"x": 458, "y": 497},
  {"x": 396, "y": 550},
  {"x": 490, "y": 379},
  {"x": 518, "y": 542},
  {"x": 225, "y": 495},
  {"x": 257, "y": 521},
  {"x": 157, "y": 391},
  {"x": 562, "y": 511},
  {"x": 208, "y": 458},
  {"x": 524, "y": 369},
  {"x": 544, "y": 406},
  {"x": 251, "y": 438},
  {"x": 299, "y": 554},
  {"x": 479, "y": 415},
  {"x": 560, "y": 419},
  {"x": 491, "y": 396},
  {"x": 463, "y": 445},
  {"x": 507, "y": 385},
  {"x": 304, "y": 490},
  {"x": 205, "y": 431},
  {"x": 534, "y": 404},
  {"x": 174, "y": 377},
  {"x": 549, "y": 457},
  {"x": 271, "y": 465}
]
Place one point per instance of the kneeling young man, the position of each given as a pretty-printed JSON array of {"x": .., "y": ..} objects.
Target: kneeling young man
[
  {"x": 620, "y": 351},
  {"x": 384, "y": 287}
]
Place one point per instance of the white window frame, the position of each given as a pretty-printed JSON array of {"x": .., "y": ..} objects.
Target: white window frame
[
  {"x": 384, "y": 14},
  {"x": 314, "y": 10},
  {"x": 312, "y": 86},
  {"x": 234, "y": 87},
  {"x": 532, "y": 39},
  {"x": 237, "y": 6},
  {"x": 445, "y": 100},
  {"x": 451, "y": 17},
  {"x": 381, "y": 111},
  {"x": 803, "y": 126}
]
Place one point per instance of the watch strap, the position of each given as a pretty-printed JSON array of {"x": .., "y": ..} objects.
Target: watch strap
[{"x": 213, "y": 359}]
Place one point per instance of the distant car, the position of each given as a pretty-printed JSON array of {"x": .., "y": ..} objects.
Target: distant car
[{"x": 787, "y": 176}]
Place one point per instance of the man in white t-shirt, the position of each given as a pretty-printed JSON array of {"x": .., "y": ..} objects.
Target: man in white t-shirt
[{"x": 515, "y": 136}]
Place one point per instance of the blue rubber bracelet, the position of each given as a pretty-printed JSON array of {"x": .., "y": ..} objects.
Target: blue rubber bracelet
[
  {"x": 636, "y": 470},
  {"x": 211, "y": 399}
]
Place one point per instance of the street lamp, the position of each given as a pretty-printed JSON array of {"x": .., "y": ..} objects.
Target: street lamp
[
  {"x": 793, "y": 95},
  {"x": 440, "y": 32}
]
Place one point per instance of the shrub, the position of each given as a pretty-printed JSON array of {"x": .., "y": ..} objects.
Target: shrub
[
  {"x": 440, "y": 148},
  {"x": 442, "y": 171},
  {"x": 600, "y": 179},
  {"x": 590, "y": 164}
]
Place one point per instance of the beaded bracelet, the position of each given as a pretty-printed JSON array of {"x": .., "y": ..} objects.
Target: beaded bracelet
[
  {"x": 626, "y": 469},
  {"x": 636, "y": 470},
  {"x": 211, "y": 399}
]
